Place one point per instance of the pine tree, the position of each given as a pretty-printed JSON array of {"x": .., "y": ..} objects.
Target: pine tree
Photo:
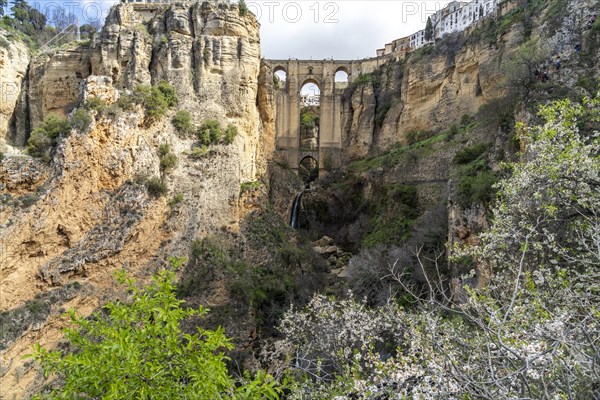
[{"x": 428, "y": 30}]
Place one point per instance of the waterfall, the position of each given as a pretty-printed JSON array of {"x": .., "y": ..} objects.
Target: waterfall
[{"x": 295, "y": 211}]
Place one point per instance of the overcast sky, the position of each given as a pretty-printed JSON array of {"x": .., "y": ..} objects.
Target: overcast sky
[{"x": 346, "y": 29}]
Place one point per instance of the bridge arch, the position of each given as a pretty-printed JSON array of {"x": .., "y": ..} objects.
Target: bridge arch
[
  {"x": 342, "y": 75},
  {"x": 308, "y": 169},
  {"x": 279, "y": 76}
]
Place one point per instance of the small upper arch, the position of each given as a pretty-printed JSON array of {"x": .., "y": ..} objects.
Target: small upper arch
[
  {"x": 341, "y": 74},
  {"x": 279, "y": 76}
]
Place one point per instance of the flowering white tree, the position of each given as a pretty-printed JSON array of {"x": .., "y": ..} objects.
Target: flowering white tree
[{"x": 532, "y": 333}]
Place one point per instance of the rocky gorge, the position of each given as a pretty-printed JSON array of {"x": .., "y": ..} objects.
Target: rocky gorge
[{"x": 423, "y": 137}]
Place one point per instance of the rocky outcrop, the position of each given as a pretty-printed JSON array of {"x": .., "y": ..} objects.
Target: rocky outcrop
[
  {"x": 425, "y": 92},
  {"x": 55, "y": 80},
  {"x": 14, "y": 60},
  {"x": 464, "y": 226}
]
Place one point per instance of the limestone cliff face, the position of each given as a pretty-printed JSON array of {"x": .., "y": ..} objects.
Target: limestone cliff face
[
  {"x": 54, "y": 82},
  {"x": 424, "y": 92},
  {"x": 84, "y": 215},
  {"x": 14, "y": 60}
]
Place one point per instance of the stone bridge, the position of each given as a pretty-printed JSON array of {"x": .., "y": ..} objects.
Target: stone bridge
[{"x": 288, "y": 104}]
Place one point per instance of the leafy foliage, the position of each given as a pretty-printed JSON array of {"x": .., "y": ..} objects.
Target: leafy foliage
[
  {"x": 156, "y": 99},
  {"x": 475, "y": 178},
  {"x": 44, "y": 137},
  {"x": 95, "y": 104},
  {"x": 168, "y": 160},
  {"x": 392, "y": 213},
  {"x": 137, "y": 350},
  {"x": 428, "y": 29},
  {"x": 210, "y": 132},
  {"x": 246, "y": 186},
  {"x": 81, "y": 120},
  {"x": 230, "y": 133},
  {"x": 198, "y": 152},
  {"x": 156, "y": 187},
  {"x": 182, "y": 122},
  {"x": 243, "y": 8}
]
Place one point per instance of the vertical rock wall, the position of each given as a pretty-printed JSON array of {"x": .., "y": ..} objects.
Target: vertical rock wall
[{"x": 14, "y": 60}]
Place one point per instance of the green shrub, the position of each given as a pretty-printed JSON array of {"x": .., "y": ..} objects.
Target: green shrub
[
  {"x": 471, "y": 153},
  {"x": 230, "y": 134},
  {"x": 39, "y": 144},
  {"x": 164, "y": 149},
  {"x": 381, "y": 113},
  {"x": 81, "y": 120},
  {"x": 28, "y": 200},
  {"x": 55, "y": 126},
  {"x": 203, "y": 136},
  {"x": 475, "y": 178},
  {"x": 182, "y": 122},
  {"x": 95, "y": 104},
  {"x": 413, "y": 136},
  {"x": 209, "y": 251},
  {"x": 168, "y": 162},
  {"x": 453, "y": 131},
  {"x": 126, "y": 101},
  {"x": 392, "y": 211},
  {"x": 156, "y": 99},
  {"x": 209, "y": 132},
  {"x": 476, "y": 186},
  {"x": 44, "y": 137},
  {"x": 156, "y": 187},
  {"x": 144, "y": 339},
  {"x": 155, "y": 105},
  {"x": 169, "y": 93},
  {"x": 246, "y": 186},
  {"x": 364, "y": 78},
  {"x": 243, "y": 8},
  {"x": 113, "y": 110},
  {"x": 198, "y": 152},
  {"x": 466, "y": 120},
  {"x": 178, "y": 198}
]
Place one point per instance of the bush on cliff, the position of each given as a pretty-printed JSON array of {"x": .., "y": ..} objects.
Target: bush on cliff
[
  {"x": 209, "y": 132},
  {"x": 81, "y": 120},
  {"x": 168, "y": 159},
  {"x": 182, "y": 122},
  {"x": 44, "y": 137},
  {"x": 156, "y": 100}
]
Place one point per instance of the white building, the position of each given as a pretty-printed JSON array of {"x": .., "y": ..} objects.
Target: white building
[
  {"x": 310, "y": 100},
  {"x": 455, "y": 17},
  {"x": 458, "y": 16},
  {"x": 417, "y": 39}
]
